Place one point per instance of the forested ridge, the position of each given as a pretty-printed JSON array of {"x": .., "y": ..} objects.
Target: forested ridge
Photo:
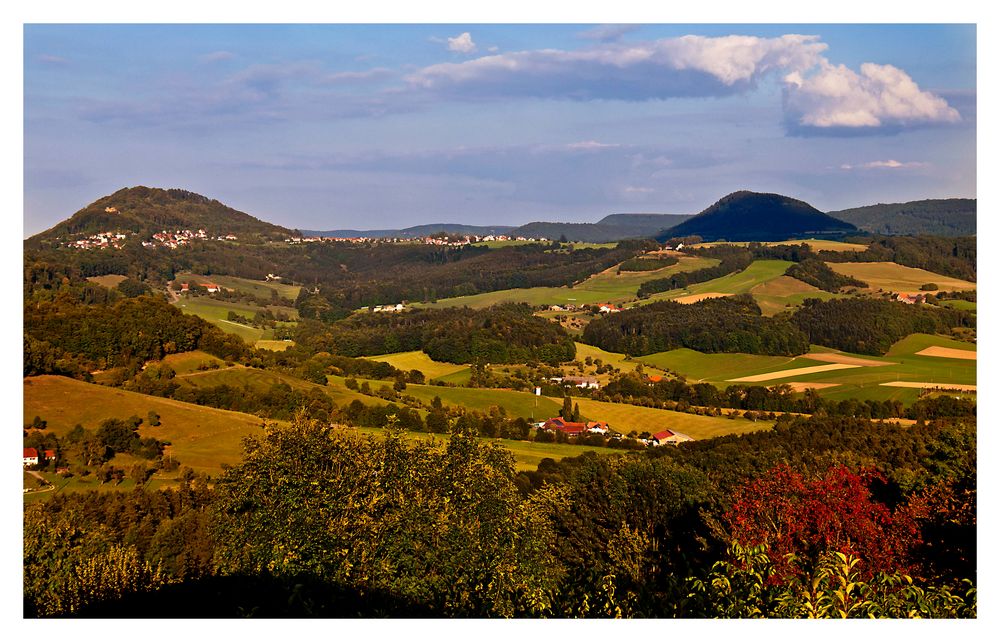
[
  {"x": 507, "y": 333},
  {"x": 941, "y": 217},
  {"x": 871, "y": 326},
  {"x": 726, "y": 324}
]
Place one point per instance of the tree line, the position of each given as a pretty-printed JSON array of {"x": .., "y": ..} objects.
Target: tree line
[
  {"x": 871, "y": 326},
  {"x": 727, "y": 324},
  {"x": 506, "y": 333}
]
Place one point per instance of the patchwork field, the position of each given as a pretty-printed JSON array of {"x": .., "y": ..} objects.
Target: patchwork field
[
  {"x": 418, "y": 360},
  {"x": 605, "y": 287},
  {"x": 840, "y": 357},
  {"x": 948, "y": 353},
  {"x": 764, "y": 279},
  {"x": 699, "y": 366},
  {"x": 836, "y": 375},
  {"x": 794, "y": 372},
  {"x": 892, "y": 277},
  {"x": 694, "y": 298}
]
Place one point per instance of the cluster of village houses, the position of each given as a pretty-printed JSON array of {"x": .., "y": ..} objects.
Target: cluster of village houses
[
  {"x": 177, "y": 238},
  {"x": 603, "y": 308},
  {"x": 166, "y": 238},
  {"x": 426, "y": 240},
  {"x": 100, "y": 240},
  {"x": 582, "y": 428}
]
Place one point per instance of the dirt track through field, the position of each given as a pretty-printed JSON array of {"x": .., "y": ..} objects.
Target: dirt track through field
[
  {"x": 930, "y": 386},
  {"x": 794, "y": 372},
  {"x": 948, "y": 353},
  {"x": 694, "y": 298},
  {"x": 831, "y": 357}
]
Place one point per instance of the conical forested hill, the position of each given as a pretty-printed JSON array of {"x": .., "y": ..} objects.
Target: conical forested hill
[
  {"x": 148, "y": 209},
  {"x": 752, "y": 216}
]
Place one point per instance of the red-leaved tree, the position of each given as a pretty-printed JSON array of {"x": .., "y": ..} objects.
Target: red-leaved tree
[{"x": 790, "y": 514}]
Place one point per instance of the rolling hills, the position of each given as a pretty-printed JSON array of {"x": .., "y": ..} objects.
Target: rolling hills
[{"x": 941, "y": 217}]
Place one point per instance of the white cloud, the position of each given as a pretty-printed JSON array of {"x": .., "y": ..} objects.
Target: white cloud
[
  {"x": 819, "y": 97},
  {"x": 835, "y": 96},
  {"x": 884, "y": 164},
  {"x": 49, "y": 59},
  {"x": 686, "y": 66},
  {"x": 462, "y": 43}
]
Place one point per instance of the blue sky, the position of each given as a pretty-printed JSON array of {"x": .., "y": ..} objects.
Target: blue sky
[{"x": 373, "y": 126}]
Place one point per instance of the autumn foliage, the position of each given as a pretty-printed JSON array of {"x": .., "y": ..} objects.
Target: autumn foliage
[{"x": 798, "y": 519}]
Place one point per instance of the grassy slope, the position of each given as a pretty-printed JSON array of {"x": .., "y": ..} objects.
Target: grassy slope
[
  {"x": 203, "y": 438},
  {"x": 892, "y": 277},
  {"x": 517, "y": 404},
  {"x": 215, "y": 312},
  {"x": 418, "y": 360},
  {"x": 108, "y": 280},
  {"x": 257, "y": 288},
  {"x": 186, "y": 362},
  {"x": 256, "y": 379},
  {"x": 959, "y": 304},
  {"x": 757, "y": 273}
]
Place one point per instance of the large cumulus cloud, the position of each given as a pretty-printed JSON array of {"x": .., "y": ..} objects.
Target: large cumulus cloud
[
  {"x": 835, "y": 97},
  {"x": 668, "y": 68},
  {"x": 819, "y": 97}
]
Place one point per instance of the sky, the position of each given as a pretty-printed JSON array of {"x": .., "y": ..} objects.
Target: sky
[{"x": 326, "y": 127}]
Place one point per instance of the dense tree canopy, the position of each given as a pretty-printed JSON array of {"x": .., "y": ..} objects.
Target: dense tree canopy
[{"x": 729, "y": 324}]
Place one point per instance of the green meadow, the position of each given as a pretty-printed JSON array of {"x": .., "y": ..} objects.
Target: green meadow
[
  {"x": 216, "y": 313},
  {"x": 892, "y": 277},
  {"x": 256, "y": 288}
]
